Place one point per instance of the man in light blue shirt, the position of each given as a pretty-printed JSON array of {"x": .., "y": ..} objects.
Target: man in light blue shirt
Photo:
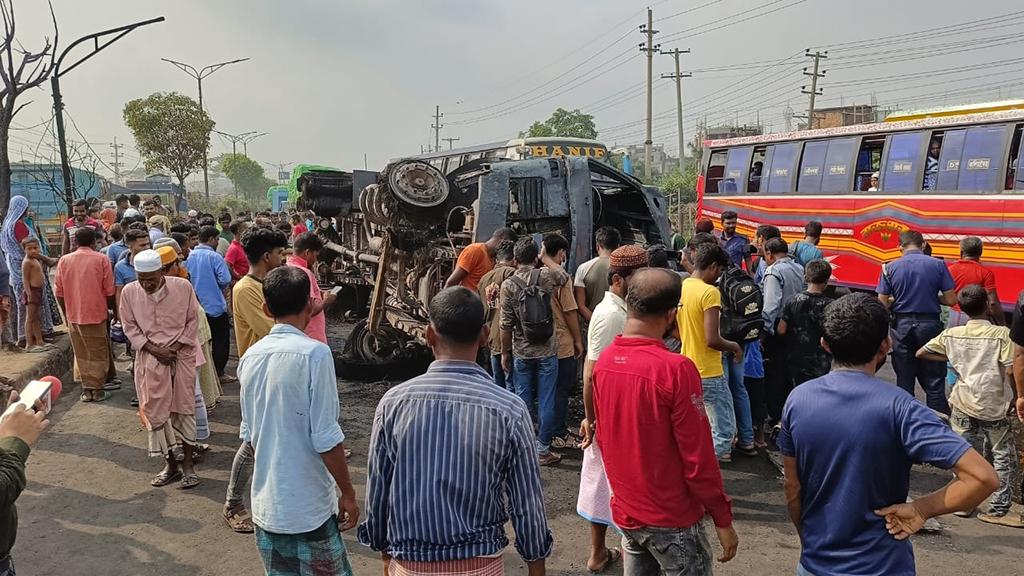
[
  {"x": 290, "y": 408},
  {"x": 210, "y": 277}
]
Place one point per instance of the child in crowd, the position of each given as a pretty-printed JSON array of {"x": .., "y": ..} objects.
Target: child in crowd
[
  {"x": 32, "y": 295},
  {"x": 801, "y": 324},
  {"x": 981, "y": 354}
]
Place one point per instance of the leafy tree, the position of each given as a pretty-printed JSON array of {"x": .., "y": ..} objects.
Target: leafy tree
[
  {"x": 246, "y": 174},
  {"x": 680, "y": 187},
  {"x": 171, "y": 132},
  {"x": 574, "y": 124}
]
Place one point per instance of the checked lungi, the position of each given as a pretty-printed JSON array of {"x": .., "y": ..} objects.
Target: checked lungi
[
  {"x": 481, "y": 566},
  {"x": 320, "y": 552},
  {"x": 91, "y": 346}
]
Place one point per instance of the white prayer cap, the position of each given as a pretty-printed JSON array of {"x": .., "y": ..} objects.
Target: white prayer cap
[{"x": 147, "y": 261}]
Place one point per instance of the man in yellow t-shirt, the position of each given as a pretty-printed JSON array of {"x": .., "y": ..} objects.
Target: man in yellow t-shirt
[
  {"x": 264, "y": 249},
  {"x": 700, "y": 308}
]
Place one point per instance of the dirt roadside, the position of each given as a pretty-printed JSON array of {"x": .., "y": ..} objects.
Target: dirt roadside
[{"x": 89, "y": 509}]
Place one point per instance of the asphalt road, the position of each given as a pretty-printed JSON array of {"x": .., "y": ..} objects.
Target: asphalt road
[{"x": 89, "y": 509}]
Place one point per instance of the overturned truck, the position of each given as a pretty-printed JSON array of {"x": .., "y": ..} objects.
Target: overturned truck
[{"x": 392, "y": 238}]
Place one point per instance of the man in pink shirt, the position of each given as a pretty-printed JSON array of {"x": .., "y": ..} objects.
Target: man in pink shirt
[
  {"x": 305, "y": 250},
  {"x": 85, "y": 292}
]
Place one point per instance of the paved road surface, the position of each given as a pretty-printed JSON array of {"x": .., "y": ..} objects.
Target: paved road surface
[{"x": 89, "y": 509}]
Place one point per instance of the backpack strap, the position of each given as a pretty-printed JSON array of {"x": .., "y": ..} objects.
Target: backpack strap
[
  {"x": 518, "y": 281},
  {"x": 534, "y": 276}
]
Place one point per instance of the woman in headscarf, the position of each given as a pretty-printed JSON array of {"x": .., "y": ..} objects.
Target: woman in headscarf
[{"x": 13, "y": 232}]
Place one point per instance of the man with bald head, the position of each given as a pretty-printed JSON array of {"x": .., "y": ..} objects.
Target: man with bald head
[{"x": 649, "y": 416}]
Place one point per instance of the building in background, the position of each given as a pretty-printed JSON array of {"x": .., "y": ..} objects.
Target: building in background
[
  {"x": 847, "y": 115},
  {"x": 170, "y": 193}
]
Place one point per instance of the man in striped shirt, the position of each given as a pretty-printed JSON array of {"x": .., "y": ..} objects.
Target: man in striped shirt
[{"x": 453, "y": 427}]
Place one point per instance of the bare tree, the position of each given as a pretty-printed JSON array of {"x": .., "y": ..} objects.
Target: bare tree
[
  {"x": 20, "y": 70},
  {"x": 47, "y": 172}
]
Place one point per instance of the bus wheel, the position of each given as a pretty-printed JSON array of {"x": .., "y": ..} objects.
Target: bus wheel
[{"x": 363, "y": 347}]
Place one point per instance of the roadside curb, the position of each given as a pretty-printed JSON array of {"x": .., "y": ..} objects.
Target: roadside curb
[{"x": 19, "y": 368}]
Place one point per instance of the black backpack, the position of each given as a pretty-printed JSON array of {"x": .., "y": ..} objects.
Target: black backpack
[
  {"x": 534, "y": 309},
  {"x": 742, "y": 303}
]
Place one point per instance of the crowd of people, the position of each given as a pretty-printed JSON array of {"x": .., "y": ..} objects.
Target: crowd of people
[{"x": 742, "y": 347}]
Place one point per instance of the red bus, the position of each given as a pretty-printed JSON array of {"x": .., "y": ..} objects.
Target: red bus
[{"x": 946, "y": 173}]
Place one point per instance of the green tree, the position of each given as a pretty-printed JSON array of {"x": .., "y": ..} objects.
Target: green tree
[
  {"x": 246, "y": 174},
  {"x": 574, "y": 124},
  {"x": 171, "y": 131}
]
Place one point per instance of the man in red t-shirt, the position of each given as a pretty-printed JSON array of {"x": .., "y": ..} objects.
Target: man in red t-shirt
[
  {"x": 969, "y": 270},
  {"x": 298, "y": 226},
  {"x": 649, "y": 417},
  {"x": 79, "y": 219},
  {"x": 235, "y": 257},
  {"x": 477, "y": 259}
]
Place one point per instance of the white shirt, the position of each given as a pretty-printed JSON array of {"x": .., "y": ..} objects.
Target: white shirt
[{"x": 607, "y": 322}]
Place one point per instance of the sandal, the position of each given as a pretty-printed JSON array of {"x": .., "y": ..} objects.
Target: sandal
[
  {"x": 613, "y": 556},
  {"x": 239, "y": 520},
  {"x": 228, "y": 379},
  {"x": 113, "y": 384},
  {"x": 189, "y": 481},
  {"x": 101, "y": 395},
  {"x": 164, "y": 478}
]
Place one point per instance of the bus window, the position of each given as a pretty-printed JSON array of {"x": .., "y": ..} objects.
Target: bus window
[
  {"x": 837, "y": 176},
  {"x": 782, "y": 171},
  {"x": 716, "y": 169},
  {"x": 1012, "y": 173},
  {"x": 869, "y": 160},
  {"x": 757, "y": 163},
  {"x": 736, "y": 167},
  {"x": 902, "y": 164},
  {"x": 949, "y": 159},
  {"x": 981, "y": 167},
  {"x": 811, "y": 166},
  {"x": 930, "y": 180}
]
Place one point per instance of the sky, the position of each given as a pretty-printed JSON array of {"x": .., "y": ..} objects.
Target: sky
[{"x": 334, "y": 82}]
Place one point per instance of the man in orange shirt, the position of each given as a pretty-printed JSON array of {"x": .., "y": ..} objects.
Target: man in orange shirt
[
  {"x": 477, "y": 259},
  {"x": 85, "y": 292},
  {"x": 969, "y": 270}
]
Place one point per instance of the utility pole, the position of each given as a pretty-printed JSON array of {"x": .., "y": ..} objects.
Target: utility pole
[
  {"x": 199, "y": 75},
  {"x": 813, "y": 92},
  {"x": 678, "y": 77},
  {"x": 117, "y": 160},
  {"x": 437, "y": 128},
  {"x": 449, "y": 141},
  {"x": 649, "y": 47}
]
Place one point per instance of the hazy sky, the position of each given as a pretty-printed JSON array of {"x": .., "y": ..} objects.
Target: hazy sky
[{"x": 333, "y": 80}]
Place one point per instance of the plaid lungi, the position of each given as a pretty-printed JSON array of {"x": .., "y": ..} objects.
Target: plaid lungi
[
  {"x": 91, "y": 345},
  {"x": 317, "y": 553},
  {"x": 481, "y": 566}
]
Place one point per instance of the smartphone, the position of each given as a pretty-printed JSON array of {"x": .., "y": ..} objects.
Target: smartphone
[
  {"x": 37, "y": 392},
  {"x": 336, "y": 290}
]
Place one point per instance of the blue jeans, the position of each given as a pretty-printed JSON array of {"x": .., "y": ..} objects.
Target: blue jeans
[
  {"x": 500, "y": 378},
  {"x": 909, "y": 333},
  {"x": 566, "y": 382},
  {"x": 999, "y": 436},
  {"x": 540, "y": 375},
  {"x": 740, "y": 400},
  {"x": 668, "y": 551},
  {"x": 718, "y": 405}
]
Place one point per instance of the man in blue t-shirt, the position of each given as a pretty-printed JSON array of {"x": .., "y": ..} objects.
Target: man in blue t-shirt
[
  {"x": 847, "y": 478},
  {"x": 912, "y": 288}
]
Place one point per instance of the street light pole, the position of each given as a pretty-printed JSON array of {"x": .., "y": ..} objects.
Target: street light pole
[
  {"x": 199, "y": 75},
  {"x": 58, "y": 99},
  {"x": 249, "y": 138}
]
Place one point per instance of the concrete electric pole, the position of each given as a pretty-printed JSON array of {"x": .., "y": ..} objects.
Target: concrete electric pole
[
  {"x": 437, "y": 128},
  {"x": 649, "y": 47},
  {"x": 813, "y": 92},
  {"x": 116, "y": 165},
  {"x": 678, "y": 77},
  {"x": 449, "y": 141}
]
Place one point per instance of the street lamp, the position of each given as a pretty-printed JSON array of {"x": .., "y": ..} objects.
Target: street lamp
[
  {"x": 58, "y": 101},
  {"x": 199, "y": 75},
  {"x": 249, "y": 138}
]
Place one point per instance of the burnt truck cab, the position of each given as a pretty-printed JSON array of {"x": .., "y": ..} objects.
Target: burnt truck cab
[{"x": 395, "y": 236}]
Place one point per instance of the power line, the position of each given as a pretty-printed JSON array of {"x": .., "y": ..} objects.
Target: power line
[{"x": 731, "y": 20}]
